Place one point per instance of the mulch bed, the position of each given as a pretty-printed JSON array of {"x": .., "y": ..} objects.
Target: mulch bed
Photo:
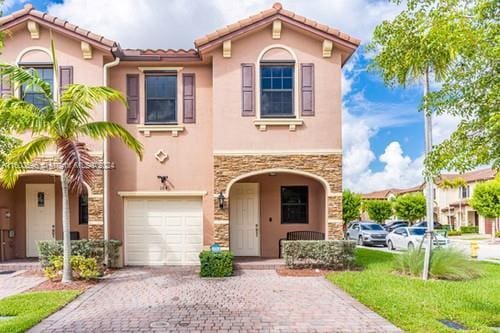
[
  {"x": 57, "y": 285},
  {"x": 301, "y": 272}
]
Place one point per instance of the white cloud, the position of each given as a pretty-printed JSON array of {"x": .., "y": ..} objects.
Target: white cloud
[
  {"x": 176, "y": 23},
  {"x": 442, "y": 126}
]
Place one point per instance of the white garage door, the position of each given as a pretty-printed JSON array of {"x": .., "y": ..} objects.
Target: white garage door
[{"x": 163, "y": 231}]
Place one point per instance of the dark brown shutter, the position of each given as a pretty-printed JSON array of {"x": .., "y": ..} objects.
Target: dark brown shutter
[
  {"x": 307, "y": 89},
  {"x": 189, "y": 104},
  {"x": 65, "y": 77},
  {"x": 247, "y": 90},
  {"x": 5, "y": 86},
  {"x": 133, "y": 98}
]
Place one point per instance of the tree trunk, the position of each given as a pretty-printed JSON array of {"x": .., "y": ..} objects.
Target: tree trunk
[
  {"x": 493, "y": 229},
  {"x": 67, "y": 273},
  {"x": 429, "y": 185}
]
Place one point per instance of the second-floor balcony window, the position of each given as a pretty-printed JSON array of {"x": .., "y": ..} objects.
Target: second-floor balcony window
[
  {"x": 464, "y": 192},
  {"x": 276, "y": 90},
  {"x": 34, "y": 95},
  {"x": 161, "y": 99}
]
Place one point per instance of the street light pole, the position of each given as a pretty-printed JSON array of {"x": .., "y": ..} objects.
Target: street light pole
[{"x": 429, "y": 183}]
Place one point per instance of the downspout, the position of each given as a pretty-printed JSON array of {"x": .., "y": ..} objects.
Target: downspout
[{"x": 105, "y": 155}]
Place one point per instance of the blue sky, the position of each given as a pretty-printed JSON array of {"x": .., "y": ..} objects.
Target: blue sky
[{"x": 382, "y": 128}]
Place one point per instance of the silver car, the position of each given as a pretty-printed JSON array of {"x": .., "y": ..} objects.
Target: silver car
[{"x": 367, "y": 233}]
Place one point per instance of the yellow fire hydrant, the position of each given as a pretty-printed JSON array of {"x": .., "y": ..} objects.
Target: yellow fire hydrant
[{"x": 474, "y": 249}]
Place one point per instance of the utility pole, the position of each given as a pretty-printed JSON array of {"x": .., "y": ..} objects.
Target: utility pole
[{"x": 429, "y": 183}]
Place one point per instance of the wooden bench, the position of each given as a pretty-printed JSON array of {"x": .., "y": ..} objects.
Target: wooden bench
[{"x": 301, "y": 235}]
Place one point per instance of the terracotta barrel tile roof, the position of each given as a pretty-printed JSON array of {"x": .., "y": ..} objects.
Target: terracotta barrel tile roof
[
  {"x": 28, "y": 11},
  {"x": 277, "y": 9}
]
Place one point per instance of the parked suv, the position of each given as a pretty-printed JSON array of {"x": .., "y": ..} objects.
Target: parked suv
[
  {"x": 367, "y": 233},
  {"x": 423, "y": 224}
]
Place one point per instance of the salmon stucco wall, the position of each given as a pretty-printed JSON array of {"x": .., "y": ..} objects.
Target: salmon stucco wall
[
  {"x": 234, "y": 133},
  {"x": 189, "y": 165}
]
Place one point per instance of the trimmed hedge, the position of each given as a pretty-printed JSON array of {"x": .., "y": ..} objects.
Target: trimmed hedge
[
  {"x": 454, "y": 233},
  {"x": 216, "y": 264},
  {"x": 85, "y": 248},
  {"x": 469, "y": 230},
  {"x": 329, "y": 254}
]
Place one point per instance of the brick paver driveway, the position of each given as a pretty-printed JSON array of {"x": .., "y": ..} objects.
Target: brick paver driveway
[{"x": 177, "y": 300}]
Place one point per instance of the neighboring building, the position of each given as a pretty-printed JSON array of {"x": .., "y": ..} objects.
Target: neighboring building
[
  {"x": 245, "y": 131},
  {"x": 451, "y": 206}
]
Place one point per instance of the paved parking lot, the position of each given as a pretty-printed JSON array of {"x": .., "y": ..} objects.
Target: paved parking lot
[{"x": 177, "y": 300}]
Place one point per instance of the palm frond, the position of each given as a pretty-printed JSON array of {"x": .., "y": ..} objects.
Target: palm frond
[
  {"x": 18, "y": 160},
  {"x": 20, "y": 116},
  {"x": 77, "y": 163},
  {"x": 103, "y": 129},
  {"x": 29, "y": 78}
]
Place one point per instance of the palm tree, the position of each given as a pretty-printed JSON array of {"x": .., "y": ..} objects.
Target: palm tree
[{"x": 61, "y": 122}]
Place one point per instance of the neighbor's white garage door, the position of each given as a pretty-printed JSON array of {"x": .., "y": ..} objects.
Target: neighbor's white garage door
[{"x": 163, "y": 231}]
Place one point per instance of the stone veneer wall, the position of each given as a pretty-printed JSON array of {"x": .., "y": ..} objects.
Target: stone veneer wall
[
  {"x": 229, "y": 167},
  {"x": 96, "y": 197}
]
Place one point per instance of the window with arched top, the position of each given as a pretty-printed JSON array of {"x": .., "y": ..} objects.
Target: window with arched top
[
  {"x": 277, "y": 75},
  {"x": 36, "y": 60}
]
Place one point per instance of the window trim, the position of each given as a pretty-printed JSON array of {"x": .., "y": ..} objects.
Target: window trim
[
  {"x": 296, "y": 99},
  {"x": 306, "y": 204},
  {"x": 269, "y": 63},
  {"x": 161, "y": 73}
]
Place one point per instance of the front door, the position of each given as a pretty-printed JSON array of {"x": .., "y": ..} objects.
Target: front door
[
  {"x": 244, "y": 219},
  {"x": 40, "y": 215}
]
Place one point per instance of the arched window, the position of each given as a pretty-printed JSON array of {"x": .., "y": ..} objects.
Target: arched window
[
  {"x": 40, "y": 61},
  {"x": 277, "y": 83}
]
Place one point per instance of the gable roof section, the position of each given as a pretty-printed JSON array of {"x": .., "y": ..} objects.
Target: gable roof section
[
  {"x": 269, "y": 15},
  {"x": 28, "y": 13},
  {"x": 472, "y": 176}
]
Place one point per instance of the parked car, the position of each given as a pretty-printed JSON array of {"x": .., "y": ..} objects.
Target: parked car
[
  {"x": 390, "y": 226},
  {"x": 367, "y": 233},
  {"x": 423, "y": 224},
  {"x": 409, "y": 238}
]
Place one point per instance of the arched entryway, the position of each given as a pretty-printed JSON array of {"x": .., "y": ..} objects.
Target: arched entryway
[{"x": 265, "y": 205}]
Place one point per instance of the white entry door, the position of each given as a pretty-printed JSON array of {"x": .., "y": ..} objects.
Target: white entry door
[
  {"x": 244, "y": 219},
  {"x": 40, "y": 215}
]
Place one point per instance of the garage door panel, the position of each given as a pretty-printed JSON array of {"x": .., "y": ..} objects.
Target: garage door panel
[{"x": 163, "y": 231}]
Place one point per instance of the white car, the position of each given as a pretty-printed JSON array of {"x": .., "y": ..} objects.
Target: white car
[{"x": 410, "y": 238}]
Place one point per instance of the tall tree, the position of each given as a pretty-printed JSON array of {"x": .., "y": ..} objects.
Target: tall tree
[
  {"x": 469, "y": 91},
  {"x": 486, "y": 200},
  {"x": 351, "y": 206},
  {"x": 378, "y": 210},
  {"x": 63, "y": 122},
  {"x": 419, "y": 42},
  {"x": 410, "y": 207}
]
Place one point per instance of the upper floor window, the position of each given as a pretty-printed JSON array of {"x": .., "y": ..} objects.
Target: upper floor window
[
  {"x": 161, "y": 98},
  {"x": 35, "y": 95},
  {"x": 464, "y": 191},
  {"x": 276, "y": 81}
]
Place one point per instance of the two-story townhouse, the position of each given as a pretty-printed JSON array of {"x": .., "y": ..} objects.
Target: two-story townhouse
[{"x": 242, "y": 138}]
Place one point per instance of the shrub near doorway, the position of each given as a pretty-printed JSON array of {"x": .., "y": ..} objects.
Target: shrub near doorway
[
  {"x": 216, "y": 264},
  {"x": 328, "y": 254}
]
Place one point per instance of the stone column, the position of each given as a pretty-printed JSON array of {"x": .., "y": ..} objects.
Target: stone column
[
  {"x": 335, "y": 223},
  {"x": 96, "y": 207},
  {"x": 221, "y": 222}
]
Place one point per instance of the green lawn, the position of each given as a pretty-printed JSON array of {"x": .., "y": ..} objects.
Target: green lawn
[
  {"x": 415, "y": 305},
  {"x": 30, "y": 308}
]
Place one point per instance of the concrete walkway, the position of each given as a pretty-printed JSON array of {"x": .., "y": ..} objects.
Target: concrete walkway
[
  {"x": 18, "y": 282},
  {"x": 177, "y": 300}
]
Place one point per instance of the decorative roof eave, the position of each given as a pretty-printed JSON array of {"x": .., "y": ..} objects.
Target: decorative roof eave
[
  {"x": 204, "y": 43},
  {"x": 56, "y": 24},
  {"x": 169, "y": 55}
]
